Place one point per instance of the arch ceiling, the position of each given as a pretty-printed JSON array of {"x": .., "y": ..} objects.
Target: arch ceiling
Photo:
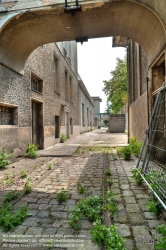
[{"x": 24, "y": 32}]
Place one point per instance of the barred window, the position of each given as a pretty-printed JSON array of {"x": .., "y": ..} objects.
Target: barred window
[{"x": 6, "y": 115}]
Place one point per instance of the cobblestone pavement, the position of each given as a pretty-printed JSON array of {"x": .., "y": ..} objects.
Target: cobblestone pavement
[{"x": 135, "y": 223}]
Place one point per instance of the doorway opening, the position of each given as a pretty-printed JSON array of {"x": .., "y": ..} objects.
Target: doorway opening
[
  {"x": 37, "y": 124},
  {"x": 57, "y": 127}
]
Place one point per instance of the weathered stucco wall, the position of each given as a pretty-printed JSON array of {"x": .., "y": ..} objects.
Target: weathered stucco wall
[
  {"x": 138, "y": 117},
  {"x": 116, "y": 123},
  {"x": 14, "y": 137}
]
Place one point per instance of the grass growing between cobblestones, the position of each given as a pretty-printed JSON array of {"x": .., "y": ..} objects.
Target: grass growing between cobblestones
[
  {"x": 105, "y": 150},
  {"x": 92, "y": 208},
  {"x": 161, "y": 243},
  {"x": 10, "y": 218},
  {"x": 4, "y": 159}
]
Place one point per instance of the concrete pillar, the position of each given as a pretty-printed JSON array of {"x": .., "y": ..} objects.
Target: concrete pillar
[
  {"x": 138, "y": 70},
  {"x": 150, "y": 89}
]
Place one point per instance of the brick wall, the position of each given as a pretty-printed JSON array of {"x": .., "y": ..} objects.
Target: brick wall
[
  {"x": 16, "y": 90},
  {"x": 116, "y": 123}
]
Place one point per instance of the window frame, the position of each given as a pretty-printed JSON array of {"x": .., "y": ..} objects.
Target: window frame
[
  {"x": 5, "y": 110},
  {"x": 56, "y": 74},
  {"x": 39, "y": 83}
]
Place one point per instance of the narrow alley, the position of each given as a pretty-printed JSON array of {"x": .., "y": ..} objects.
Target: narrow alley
[{"x": 83, "y": 161}]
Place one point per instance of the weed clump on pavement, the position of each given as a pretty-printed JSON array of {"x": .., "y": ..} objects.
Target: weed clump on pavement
[
  {"x": 31, "y": 151},
  {"x": 28, "y": 186},
  {"x": 62, "y": 196},
  {"x": 4, "y": 159},
  {"x": 12, "y": 195},
  {"x": 63, "y": 138}
]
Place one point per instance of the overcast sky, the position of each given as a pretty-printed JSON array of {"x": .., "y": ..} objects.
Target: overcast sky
[{"x": 96, "y": 59}]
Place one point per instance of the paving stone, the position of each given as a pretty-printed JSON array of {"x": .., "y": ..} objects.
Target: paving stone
[
  {"x": 120, "y": 217},
  {"x": 132, "y": 208},
  {"x": 49, "y": 231},
  {"x": 20, "y": 229},
  {"x": 115, "y": 185},
  {"x": 123, "y": 230},
  {"x": 33, "y": 222},
  {"x": 125, "y": 187},
  {"x": 115, "y": 190},
  {"x": 128, "y": 244},
  {"x": 117, "y": 198},
  {"x": 57, "y": 208},
  {"x": 42, "y": 195},
  {"x": 145, "y": 246},
  {"x": 33, "y": 212},
  {"x": 85, "y": 224},
  {"x": 65, "y": 231},
  {"x": 60, "y": 223},
  {"x": 144, "y": 207},
  {"x": 29, "y": 199},
  {"x": 155, "y": 223},
  {"x": 53, "y": 202},
  {"x": 45, "y": 200},
  {"x": 33, "y": 205},
  {"x": 42, "y": 214},
  {"x": 141, "y": 231},
  {"x": 136, "y": 218},
  {"x": 127, "y": 193},
  {"x": 44, "y": 207},
  {"x": 121, "y": 207},
  {"x": 34, "y": 230},
  {"x": 62, "y": 215},
  {"x": 144, "y": 196},
  {"x": 149, "y": 215},
  {"x": 130, "y": 199}
]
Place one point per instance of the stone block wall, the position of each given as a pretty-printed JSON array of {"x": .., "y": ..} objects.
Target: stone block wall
[{"x": 116, "y": 123}]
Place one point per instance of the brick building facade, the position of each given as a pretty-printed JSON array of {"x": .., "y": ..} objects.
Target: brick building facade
[{"x": 43, "y": 103}]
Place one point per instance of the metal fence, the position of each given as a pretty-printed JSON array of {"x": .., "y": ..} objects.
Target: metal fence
[{"x": 152, "y": 160}]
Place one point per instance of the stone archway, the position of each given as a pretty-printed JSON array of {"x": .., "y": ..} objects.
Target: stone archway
[{"x": 26, "y": 31}]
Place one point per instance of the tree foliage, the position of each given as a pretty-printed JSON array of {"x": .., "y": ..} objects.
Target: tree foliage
[{"x": 116, "y": 88}]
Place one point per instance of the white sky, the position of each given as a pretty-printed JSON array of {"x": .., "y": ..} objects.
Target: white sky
[{"x": 96, "y": 59}]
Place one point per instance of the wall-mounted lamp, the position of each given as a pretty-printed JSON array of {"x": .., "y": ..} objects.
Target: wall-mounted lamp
[
  {"x": 72, "y": 8},
  {"x": 81, "y": 39}
]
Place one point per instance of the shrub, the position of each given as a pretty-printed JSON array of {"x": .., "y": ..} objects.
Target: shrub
[
  {"x": 10, "y": 219},
  {"x": 62, "y": 196},
  {"x": 161, "y": 242},
  {"x": 99, "y": 126},
  {"x": 63, "y": 138},
  {"x": 108, "y": 171},
  {"x": 49, "y": 166},
  {"x": 31, "y": 151},
  {"x": 28, "y": 186},
  {"x": 126, "y": 152},
  {"x": 154, "y": 206},
  {"x": 101, "y": 234},
  {"x": 81, "y": 189},
  {"x": 4, "y": 159},
  {"x": 135, "y": 146},
  {"x": 137, "y": 176},
  {"x": 24, "y": 173}
]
